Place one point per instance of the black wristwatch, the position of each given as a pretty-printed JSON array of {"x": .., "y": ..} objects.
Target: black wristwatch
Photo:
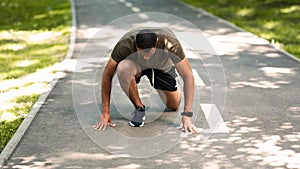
[{"x": 188, "y": 114}]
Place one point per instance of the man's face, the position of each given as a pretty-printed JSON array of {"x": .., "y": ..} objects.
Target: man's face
[{"x": 146, "y": 55}]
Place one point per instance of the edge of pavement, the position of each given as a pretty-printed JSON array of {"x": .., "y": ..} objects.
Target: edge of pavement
[
  {"x": 14, "y": 141},
  {"x": 238, "y": 28}
]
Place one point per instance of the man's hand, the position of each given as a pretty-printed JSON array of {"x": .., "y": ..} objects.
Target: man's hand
[
  {"x": 187, "y": 125},
  {"x": 103, "y": 122}
]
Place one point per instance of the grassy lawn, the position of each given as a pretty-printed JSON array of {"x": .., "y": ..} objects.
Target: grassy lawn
[
  {"x": 275, "y": 20},
  {"x": 34, "y": 35}
]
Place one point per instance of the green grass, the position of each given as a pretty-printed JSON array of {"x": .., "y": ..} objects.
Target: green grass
[
  {"x": 7, "y": 130},
  {"x": 11, "y": 119},
  {"x": 275, "y": 20},
  {"x": 34, "y": 34}
]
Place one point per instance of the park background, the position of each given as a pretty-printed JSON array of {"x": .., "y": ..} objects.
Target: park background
[{"x": 34, "y": 37}]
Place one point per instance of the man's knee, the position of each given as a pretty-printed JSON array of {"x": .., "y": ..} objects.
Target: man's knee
[
  {"x": 126, "y": 68},
  {"x": 171, "y": 99},
  {"x": 173, "y": 106},
  {"x": 124, "y": 65}
]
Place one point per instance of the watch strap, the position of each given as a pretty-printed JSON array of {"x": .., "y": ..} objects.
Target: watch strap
[{"x": 188, "y": 114}]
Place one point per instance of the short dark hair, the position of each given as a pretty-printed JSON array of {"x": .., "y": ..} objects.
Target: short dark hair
[{"x": 146, "y": 39}]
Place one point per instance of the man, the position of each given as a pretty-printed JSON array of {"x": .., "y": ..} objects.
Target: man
[{"x": 155, "y": 53}]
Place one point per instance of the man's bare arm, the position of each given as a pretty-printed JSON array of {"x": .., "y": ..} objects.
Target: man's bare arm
[
  {"x": 106, "y": 84},
  {"x": 185, "y": 71}
]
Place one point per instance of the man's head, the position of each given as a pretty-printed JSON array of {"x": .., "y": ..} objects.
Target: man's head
[{"x": 145, "y": 42}]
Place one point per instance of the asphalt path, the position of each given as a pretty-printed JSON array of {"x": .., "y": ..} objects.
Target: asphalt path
[{"x": 246, "y": 99}]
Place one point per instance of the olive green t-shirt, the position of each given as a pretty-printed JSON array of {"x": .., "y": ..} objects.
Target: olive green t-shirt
[{"x": 168, "y": 50}]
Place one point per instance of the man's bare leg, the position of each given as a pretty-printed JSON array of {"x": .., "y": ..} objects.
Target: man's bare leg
[
  {"x": 127, "y": 72},
  {"x": 170, "y": 98}
]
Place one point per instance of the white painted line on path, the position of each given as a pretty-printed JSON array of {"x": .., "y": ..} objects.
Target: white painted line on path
[
  {"x": 198, "y": 81},
  {"x": 214, "y": 119}
]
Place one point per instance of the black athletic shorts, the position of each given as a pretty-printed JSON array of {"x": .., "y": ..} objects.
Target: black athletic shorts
[{"x": 160, "y": 79}]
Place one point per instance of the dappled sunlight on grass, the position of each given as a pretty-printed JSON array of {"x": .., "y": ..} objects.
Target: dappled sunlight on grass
[
  {"x": 18, "y": 95},
  {"x": 33, "y": 83},
  {"x": 291, "y": 9},
  {"x": 37, "y": 33},
  {"x": 7, "y": 116},
  {"x": 7, "y": 130},
  {"x": 26, "y": 63},
  {"x": 34, "y": 15},
  {"x": 29, "y": 37},
  {"x": 244, "y": 12},
  {"x": 33, "y": 36},
  {"x": 271, "y": 24},
  {"x": 24, "y": 104},
  {"x": 26, "y": 52},
  {"x": 13, "y": 47}
]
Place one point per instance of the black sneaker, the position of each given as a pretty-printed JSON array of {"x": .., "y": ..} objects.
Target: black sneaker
[{"x": 138, "y": 117}]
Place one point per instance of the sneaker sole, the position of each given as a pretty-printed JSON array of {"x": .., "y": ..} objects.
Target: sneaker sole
[{"x": 132, "y": 125}]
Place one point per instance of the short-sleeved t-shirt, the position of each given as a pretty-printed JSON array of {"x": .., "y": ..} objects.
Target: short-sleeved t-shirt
[{"x": 168, "y": 50}]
